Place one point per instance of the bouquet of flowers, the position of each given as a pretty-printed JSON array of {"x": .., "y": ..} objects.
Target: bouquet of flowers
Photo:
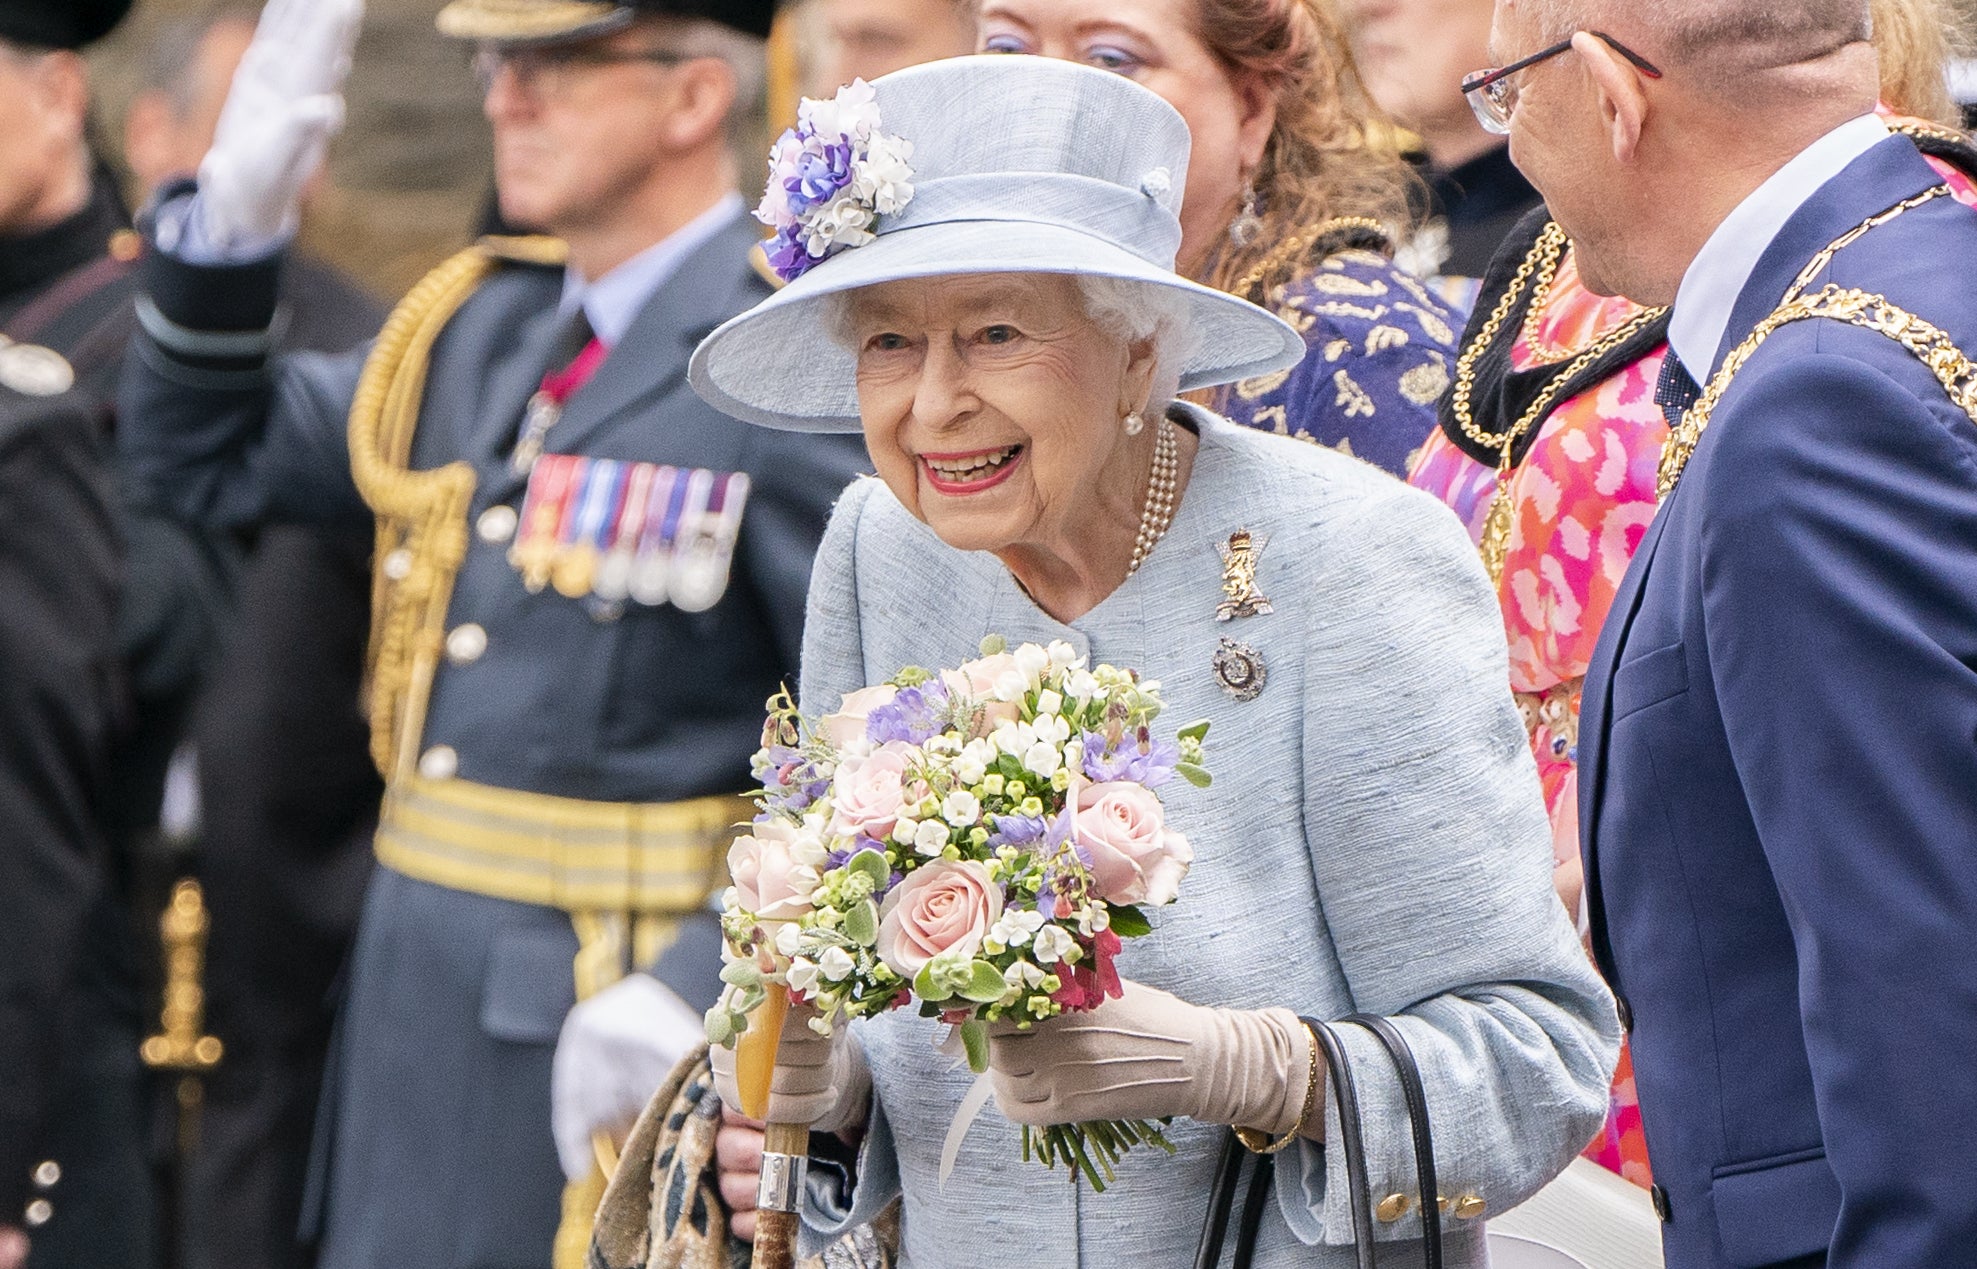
[{"x": 976, "y": 841}]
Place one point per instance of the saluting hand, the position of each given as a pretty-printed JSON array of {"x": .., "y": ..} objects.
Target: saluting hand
[{"x": 285, "y": 104}]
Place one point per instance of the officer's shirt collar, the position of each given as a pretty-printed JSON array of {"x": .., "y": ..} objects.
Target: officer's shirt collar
[
  {"x": 614, "y": 301},
  {"x": 1720, "y": 270}
]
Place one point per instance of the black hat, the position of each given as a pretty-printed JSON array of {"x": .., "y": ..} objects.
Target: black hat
[
  {"x": 59, "y": 23},
  {"x": 544, "y": 21}
]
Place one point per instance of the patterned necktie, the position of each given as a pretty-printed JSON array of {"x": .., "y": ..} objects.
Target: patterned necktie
[{"x": 1675, "y": 391}]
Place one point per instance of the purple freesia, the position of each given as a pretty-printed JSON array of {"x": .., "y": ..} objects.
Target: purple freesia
[
  {"x": 912, "y": 716},
  {"x": 1142, "y": 761}
]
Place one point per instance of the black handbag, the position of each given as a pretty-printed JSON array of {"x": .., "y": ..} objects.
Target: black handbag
[{"x": 1351, "y": 1143}]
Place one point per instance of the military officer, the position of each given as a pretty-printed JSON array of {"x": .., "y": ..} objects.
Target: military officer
[
  {"x": 59, "y": 563},
  {"x": 586, "y": 583}
]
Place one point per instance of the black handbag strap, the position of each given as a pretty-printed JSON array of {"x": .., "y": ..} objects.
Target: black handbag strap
[
  {"x": 1416, "y": 1096},
  {"x": 1351, "y": 1144}
]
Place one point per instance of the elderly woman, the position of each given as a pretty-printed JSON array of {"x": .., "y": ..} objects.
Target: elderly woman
[
  {"x": 1288, "y": 203},
  {"x": 1006, "y": 327}
]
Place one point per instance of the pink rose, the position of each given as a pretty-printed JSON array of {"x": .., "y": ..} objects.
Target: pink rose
[
  {"x": 868, "y": 792},
  {"x": 941, "y": 907},
  {"x": 1133, "y": 855},
  {"x": 977, "y": 678},
  {"x": 847, "y": 726},
  {"x": 760, "y": 866}
]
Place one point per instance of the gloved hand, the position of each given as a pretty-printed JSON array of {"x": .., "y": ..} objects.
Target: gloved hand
[
  {"x": 615, "y": 1050},
  {"x": 1147, "y": 1055},
  {"x": 818, "y": 1081},
  {"x": 285, "y": 104}
]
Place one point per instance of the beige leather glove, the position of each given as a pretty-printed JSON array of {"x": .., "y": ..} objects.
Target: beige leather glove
[
  {"x": 1147, "y": 1055},
  {"x": 818, "y": 1081}
]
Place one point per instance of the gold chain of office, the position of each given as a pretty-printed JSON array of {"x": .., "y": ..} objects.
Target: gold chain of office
[
  {"x": 1538, "y": 271},
  {"x": 1926, "y": 342}
]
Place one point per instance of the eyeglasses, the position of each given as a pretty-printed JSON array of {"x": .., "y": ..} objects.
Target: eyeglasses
[
  {"x": 545, "y": 71},
  {"x": 1492, "y": 94}
]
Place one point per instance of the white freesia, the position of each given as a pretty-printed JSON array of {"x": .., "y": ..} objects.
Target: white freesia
[
  {"x": 961, "y": 808},
  {"x": 1062, "y": 655},
  {"x": 1032, "y": 661},
  {"x": 1016, "y": 926},
  {"x": 931, "y": 838},
  {"x": 903, "y": 831},
  {"x": 1094, "y": 919},
  {"x": 836, "y": 964},
  {"x": 1051, "y": 729},
  {"x": 1050, "y": 944},
  {"x": 1011, "y": 686},
  {"x": 1081, "y": 685},
  {"x": 1043, "y": 758}
]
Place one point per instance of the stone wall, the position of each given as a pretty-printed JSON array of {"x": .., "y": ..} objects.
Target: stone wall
[{"x": 410, "y": 174}]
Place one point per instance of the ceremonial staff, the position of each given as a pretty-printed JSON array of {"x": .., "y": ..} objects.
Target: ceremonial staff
[{"x": 786, "y": 1146}]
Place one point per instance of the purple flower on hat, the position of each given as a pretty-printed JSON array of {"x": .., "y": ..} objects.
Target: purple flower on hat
[{"x": 830, "y": 178}]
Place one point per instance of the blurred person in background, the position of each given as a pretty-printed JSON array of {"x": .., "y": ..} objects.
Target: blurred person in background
[
  {"x": 864, "y": 39},
  {"x": 1289, "y": 202},
  {"x": 66, "y": 287},
  {"x": 59, "y": 684},
  {"x": 1548, "y": 448},
  {"x": 288, "y": 795},
  {"x": 1413, "y": 55},
  {"x": 564, "y": 705}
]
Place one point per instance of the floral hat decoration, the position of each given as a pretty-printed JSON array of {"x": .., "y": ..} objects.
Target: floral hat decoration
[{"x": 988, "y": 164}]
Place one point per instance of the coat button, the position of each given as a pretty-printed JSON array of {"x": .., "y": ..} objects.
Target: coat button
[
  {"x": 47, "y": 1175},
  {"x": 396, "y": 565},
  {"x": 1469, "y": 1207},
  {"x": 1393, "y": 1207},
  {"x": 1659, "y": 1197},
  {"x": 1626, "y": 1012},
  {"x": 441, "y": 762},
  {"x": 497, "y": 524},
  {"x": 38, "y": 1213},
  {"x": 465, "y": 644}
]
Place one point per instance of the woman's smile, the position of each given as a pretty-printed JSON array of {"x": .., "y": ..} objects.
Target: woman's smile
[{"x": 971, "y": 472}]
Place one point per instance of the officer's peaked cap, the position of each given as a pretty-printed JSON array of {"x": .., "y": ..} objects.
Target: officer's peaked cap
[
  {"x": 59, "y": 23},
  {"x": 554, "y": 21}
]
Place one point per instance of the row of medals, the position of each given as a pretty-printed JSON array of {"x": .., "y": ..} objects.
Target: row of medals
[{"x": 617, "y": 531}]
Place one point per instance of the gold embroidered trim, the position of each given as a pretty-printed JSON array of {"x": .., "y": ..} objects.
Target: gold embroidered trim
[{"x": 422, "y": 515}]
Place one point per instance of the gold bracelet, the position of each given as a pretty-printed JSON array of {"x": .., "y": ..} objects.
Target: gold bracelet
[{"x": 1255, "y": 1142}]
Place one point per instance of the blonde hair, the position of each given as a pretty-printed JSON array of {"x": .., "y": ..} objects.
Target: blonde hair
[{"x": 1916, "y": 39}]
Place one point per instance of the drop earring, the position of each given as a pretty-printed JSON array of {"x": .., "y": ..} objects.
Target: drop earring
[
  {"x": 1247, "y": 224},
  {"x": 1135, "y": 423}
]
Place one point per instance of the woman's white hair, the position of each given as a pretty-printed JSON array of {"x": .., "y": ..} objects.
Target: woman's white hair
[{"x": 1125, "y": 309}]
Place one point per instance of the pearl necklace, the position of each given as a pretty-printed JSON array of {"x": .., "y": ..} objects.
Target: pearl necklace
[{"x": 1158, "y": 513}]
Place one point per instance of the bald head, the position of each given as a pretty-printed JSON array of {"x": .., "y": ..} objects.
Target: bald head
[{"x": 1731, "y": 49}]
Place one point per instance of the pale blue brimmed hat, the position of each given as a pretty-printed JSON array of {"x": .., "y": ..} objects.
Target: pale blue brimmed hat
[{"x": 1008, "y": 165}]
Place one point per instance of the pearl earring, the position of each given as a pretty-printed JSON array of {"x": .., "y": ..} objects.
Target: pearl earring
[{"x": 1135, "y": 423}]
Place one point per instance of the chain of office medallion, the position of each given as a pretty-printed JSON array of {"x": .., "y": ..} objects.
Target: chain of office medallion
[{"x": 1859, "y": 308}]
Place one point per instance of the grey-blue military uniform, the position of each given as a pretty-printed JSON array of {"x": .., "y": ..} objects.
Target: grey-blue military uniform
[{"x": 557, "y": 733}]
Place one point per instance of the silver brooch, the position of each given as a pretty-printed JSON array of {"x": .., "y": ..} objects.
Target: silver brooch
[{"x": 1239, "y": 669}]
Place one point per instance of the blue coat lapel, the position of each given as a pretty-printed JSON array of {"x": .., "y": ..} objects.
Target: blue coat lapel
[
  {"x": 1888, "y": 173},
  {"x": 651, "y": 359}
]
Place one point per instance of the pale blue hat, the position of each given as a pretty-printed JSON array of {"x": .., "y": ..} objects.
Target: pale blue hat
[{"x": 1017, "y": 164}]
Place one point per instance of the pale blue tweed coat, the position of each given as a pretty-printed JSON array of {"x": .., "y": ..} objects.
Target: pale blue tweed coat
[{"x": 1374, "y": 840}]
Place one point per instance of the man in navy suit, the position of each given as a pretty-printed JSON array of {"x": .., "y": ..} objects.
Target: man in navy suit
[{"x": 1779, "y": 742}]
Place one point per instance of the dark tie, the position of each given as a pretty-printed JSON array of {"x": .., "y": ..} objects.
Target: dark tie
[{"x": 1675, "y": 391}]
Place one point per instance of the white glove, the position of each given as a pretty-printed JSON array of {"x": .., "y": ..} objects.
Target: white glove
[
  {"x": 1148, "y": 1055},
  {"x": 285, "y": 104},
  {"x": 819, "y": 1081},
  {"x": 615, "y": 1051}
]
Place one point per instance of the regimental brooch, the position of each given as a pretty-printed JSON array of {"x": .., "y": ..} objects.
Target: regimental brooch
[
  {"x": 1239, "y": 668},
  {"x": 1239, "y": 556}
]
